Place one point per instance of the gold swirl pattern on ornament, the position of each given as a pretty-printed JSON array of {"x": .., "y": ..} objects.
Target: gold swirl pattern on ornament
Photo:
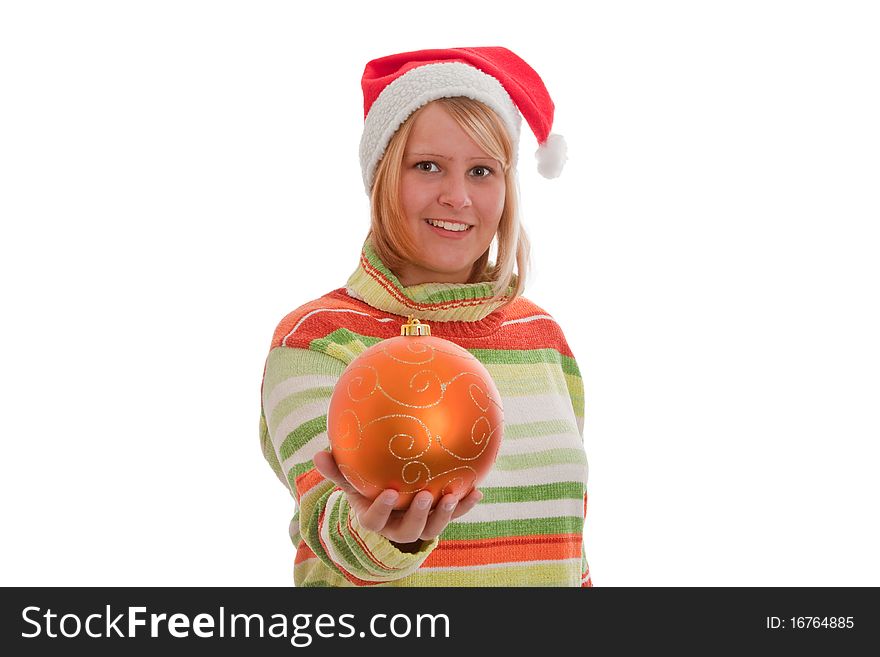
[
  {"x": 360, "y": 482},
  {"x": 412, "y": 380},
  {"x": 471, "y": 389},
  {"x": 412, "y": 438},
  {"x": 399, "y": 452},
  {"x": 430, "y": 350},
  {"x": 355, "y": 381},
  {"x": 464, "y": 353},
  {"x": 487, "y": 432},
  {"x": 443, "y": 387},
  {"x": 412, "y": 383},
  {"x": 489, "y": 399},
  {"x": 466, "y": 473},
  {"x": 413, "y": 347},
  {"x": 410, "y": 466},
  {"x": 343, "y": 437},
  {"x": 485, "y": 439},
  {"x": 464, "y": 469}
]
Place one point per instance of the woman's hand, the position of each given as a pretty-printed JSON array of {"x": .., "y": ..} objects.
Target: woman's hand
[{"x": 416, "y": 522}]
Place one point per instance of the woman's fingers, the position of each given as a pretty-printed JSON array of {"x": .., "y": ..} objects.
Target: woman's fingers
[
  {"x": 374, "y": 515},
  {"x": 449, "y": 508},
  {"x": 468, "y": 503},
  {"x": 417, "y": 522},
  {"x": 440, "y": 517},
  {"x": 326, "y": 465},
  {"x": 412, "y": 524}
]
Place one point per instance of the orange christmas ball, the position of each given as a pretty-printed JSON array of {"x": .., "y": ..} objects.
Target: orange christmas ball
[{"x": 415, "y": 412}]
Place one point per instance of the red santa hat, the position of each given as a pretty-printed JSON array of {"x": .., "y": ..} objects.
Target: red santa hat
[{"x": 397, "y": 85}]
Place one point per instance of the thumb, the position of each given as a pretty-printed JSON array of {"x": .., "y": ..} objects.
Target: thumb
[{"x": 326, "y": 465}]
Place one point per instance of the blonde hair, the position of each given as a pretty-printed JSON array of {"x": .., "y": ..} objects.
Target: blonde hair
[{"x": 388, "y": 229}]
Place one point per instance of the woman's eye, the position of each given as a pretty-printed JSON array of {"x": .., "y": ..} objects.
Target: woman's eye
[
  {"x": 429, "y": 167},
  {"x": 481, "y": 172}
]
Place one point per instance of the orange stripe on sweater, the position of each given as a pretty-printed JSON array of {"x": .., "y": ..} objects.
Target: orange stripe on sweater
[
  {"x": 308, "y": 480},
  {"x": 360, "y": 541},
  {"x": 303, "y": 552},
  {"x": 505, "y": 550},
  {"x": 292, "y": 318},
  {"x": 517, "y": 336},
  {"x": 586, "y": 580}
]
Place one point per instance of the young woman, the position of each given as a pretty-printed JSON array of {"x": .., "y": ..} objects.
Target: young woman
[{"x": 438, "y": 156}]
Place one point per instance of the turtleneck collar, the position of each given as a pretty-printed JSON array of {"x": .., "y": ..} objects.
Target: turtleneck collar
[{"x": 375, "y": 284}]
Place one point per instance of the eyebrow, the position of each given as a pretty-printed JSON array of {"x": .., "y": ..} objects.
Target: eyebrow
[{"x": 445, "y": 157}]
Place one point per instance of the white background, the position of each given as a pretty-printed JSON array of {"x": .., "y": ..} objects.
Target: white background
[{"x": 175, "y": 177}]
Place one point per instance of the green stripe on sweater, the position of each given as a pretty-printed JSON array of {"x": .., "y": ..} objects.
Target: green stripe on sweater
[
  {"x": 540, "y": 459},
  {"x": 299, "y": 469},
  {"x": 310, "y": 507},
  {"x": 525, "y": 357},
  {"x": 286, "y": 362},
  {"x": 343, "y": 344},
  {"x": 296, "y": 400},
  {"x": 301, "y": 435},
  {"x": 346, "y": 547},
  {"x": 561, "y": 490},
  {"x": 519, "y": 527},
  {"x": 536, "y": 429}
]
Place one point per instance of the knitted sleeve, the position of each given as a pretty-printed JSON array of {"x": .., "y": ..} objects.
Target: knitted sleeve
[
  {"x": 297, "y": 386},
  {"x": 575, "y": 383}
]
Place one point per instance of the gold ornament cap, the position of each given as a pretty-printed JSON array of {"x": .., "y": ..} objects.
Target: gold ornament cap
[{"x": 414, "y": 327}]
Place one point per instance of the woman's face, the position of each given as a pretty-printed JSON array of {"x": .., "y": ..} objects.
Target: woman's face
[{"x": 447, "y": 178}]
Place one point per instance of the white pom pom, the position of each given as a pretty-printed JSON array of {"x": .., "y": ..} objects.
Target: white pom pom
[{"x": 552, "y": 155}]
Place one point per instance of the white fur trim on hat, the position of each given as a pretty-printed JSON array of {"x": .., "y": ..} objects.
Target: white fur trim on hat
[{"x": 420, "y": 86}]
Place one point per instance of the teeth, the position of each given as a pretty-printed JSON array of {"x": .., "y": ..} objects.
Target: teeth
[{"x": 456, "y": 228}]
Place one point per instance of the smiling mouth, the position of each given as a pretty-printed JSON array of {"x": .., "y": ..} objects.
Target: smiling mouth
[{"x": 449, "y": 226}]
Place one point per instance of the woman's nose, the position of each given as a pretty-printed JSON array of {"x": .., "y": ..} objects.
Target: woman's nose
[{"x": 454, "y": 193}]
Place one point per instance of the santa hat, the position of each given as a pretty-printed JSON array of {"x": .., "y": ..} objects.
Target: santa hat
[{"x": 397, "y": 85}]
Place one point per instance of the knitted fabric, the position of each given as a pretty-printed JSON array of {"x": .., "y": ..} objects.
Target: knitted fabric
[{"x": 528, "y": 528}]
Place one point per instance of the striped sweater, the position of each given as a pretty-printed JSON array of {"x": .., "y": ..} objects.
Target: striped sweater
[{"x": 528, "y": 528}]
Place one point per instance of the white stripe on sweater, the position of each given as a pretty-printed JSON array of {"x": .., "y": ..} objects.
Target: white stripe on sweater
[
  {"x": 536, "y": 408},
  {"x": 307, "y": 451},
  {"x": 485, "y": 512},
  {"x": 533, "y": 476},
  {"x": 335, "y": 310},
  {"x": 534, "y": 444},
  {"x": 295, "y": 419},
  {"x": 292, "y": 386},
  {"x": 531, "y": 318}
]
